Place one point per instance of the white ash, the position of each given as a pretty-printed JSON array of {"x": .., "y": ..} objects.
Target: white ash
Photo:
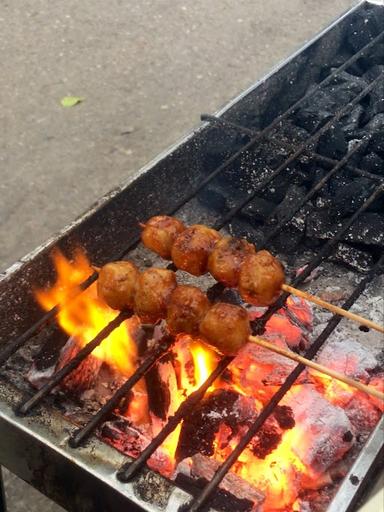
[
  {"x": 348, "y": 357},
  {"x": 326, "y": 430}
]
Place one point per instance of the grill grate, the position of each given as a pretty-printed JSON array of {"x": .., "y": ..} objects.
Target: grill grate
[{"x": 130, "y": 469}]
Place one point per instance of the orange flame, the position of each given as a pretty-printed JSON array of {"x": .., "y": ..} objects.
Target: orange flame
[{"x": 84, "y": 315}]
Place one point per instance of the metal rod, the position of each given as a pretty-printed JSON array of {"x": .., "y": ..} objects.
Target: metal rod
[
  {"x": 16, "y": 343},
  {"x": 259, "y": 324},
  {"x": 83, "y": 433},
  {"x": 73, "y": 363},
  {"x": 130, "y": 469},
  {"x": 198, "y": 502}
]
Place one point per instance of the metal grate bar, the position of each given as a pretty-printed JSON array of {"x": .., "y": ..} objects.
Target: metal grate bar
[
  {"x": 19, "y": 341},
  {"x": 73, "y": 363},
  {"x": 314, "y": 138},
  {"x": 83, "y": 433},
  {"x": 197, "y": 503},
  {"x": 130, "y": 469}
]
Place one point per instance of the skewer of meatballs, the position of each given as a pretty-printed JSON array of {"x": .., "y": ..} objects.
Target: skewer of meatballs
[
  {"x": 154, "y": 295},
  {"x": 234, "y": 262}
]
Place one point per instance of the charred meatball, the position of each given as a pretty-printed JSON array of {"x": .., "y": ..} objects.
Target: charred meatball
[
  {"x": 116, "y": 284},
  {"x": 153, "y": 292},
  {"x": 159, "y": 234},
  {"x": 261, "y": 278},
  {"x": 225, "y": 260},
  {"x": 187, "y": 307},
  {"x": 226, "y": 327},
  {"x": 192, "y": 248}
]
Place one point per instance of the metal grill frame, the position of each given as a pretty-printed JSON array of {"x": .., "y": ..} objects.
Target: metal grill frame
[{"x": 10, "y": 348}]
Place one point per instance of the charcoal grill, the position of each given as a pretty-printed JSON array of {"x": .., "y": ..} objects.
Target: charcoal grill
[{"x": 71, "y": 465}]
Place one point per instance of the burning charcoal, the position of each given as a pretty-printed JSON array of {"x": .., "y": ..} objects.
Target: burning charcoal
[
  {"x": 323, "y": 428},
  {"x": 258, "y": 210},
  {"x": 200, "y": 427},
  {"x": 364, "y": 29},
  {"x": 267, "y": 439},
  {"x": 120, "y": 434},
  {"x": 333, "y": 143},
  {"x": 284, "y": 417},
  {"x": 352, "y": 257},
  {"x": 213, "y": 197},
  {"x": 373, "y": 163},
  {"x": 348, "y": 357},
  {"x": 234, "y": 493},
  {"x": 160, "y": 381},
  {"x": 84, "y": 376},
  {"x": 257, "y": 369}
]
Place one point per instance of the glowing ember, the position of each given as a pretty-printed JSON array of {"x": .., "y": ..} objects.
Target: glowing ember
[{"x": 286, "y": 466}]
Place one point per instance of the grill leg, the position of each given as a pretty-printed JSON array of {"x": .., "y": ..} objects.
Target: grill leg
[{"x": 3, "y": 503}]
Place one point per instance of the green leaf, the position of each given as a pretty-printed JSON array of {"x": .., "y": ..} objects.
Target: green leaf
[{"x": 70, "y": 101}]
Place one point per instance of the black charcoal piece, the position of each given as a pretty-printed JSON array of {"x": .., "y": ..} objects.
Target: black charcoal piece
[
  {"x": 241, "y": 228},
  {"x": 368, "y": 229},
  {"x": 373, "y": 163},
  {"x": 352, "y": 120},
  {"x": 287, "y": 241},
  {"x": 352, "y": 257},
  {"x": 333, "y": 143},
  {"x": 375, "y": 56},
  {"x": 294, "y": 195},
  {"x": 350, "y": 196},
  {"x": 376, "y": 99},
  {"x": 374, "y": 72},
  {"x": 313, "y": 115},
  {"x": 363, "y": 29},
  {"x": 213, "y": 197},
  {"x": 345, "y": 87},
  {"x": 219, "y": 145},
  {"x": 258, "y": 210}
]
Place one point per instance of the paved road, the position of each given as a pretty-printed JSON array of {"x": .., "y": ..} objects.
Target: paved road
[{"x": 146, "y": 69}]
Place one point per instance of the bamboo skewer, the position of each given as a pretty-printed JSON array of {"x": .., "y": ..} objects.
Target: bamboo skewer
[
  {"x": 316, "y": 366},
  {"x": 331, "y": 307}
]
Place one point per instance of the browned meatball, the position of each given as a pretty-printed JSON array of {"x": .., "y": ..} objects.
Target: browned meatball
[
  {"x": 186, "y": 309},
  {"x": 226, "y": 327},
  {"x": 160, "y": 232},
  {"x": 226, "y": 258},
  {"x": 192, "y": 247},
  {"x": 153, "y": 292},
  {"x": 116, "y": 284},
  {"x": 261, "y": 278}
]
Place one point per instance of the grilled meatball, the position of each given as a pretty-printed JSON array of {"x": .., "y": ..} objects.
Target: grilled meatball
[
  {"x": 226, "y": 327},
  {"x": 226, "y": 258},
  {"x": 116, "y": 284},
  {"x": 187, "y": 307},
  {"x": 159, "y": 233},
  {"x": 261, "y": 278},
  {"x": 192, "y": 247},
  {"x": 153, "y": 292}
]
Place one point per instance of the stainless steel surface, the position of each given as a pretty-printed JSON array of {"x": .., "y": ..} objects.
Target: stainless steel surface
[
  {"x": 35, "y": 447},
  {"x": 361, "y": 472}
]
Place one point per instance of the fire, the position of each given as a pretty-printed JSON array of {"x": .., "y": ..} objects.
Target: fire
[
  {"x": 84, "y": 315},
  {"x": 280, "y": 473}
]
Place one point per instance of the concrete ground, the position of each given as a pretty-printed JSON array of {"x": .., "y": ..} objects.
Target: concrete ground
[{"x": 146, "y": 70}]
